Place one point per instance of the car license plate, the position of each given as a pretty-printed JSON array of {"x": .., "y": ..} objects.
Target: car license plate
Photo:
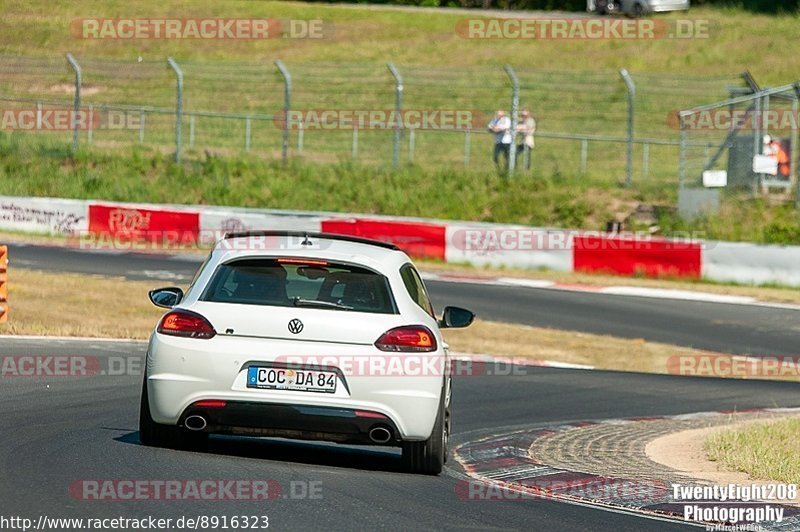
[{"x": 291, "y": 379}]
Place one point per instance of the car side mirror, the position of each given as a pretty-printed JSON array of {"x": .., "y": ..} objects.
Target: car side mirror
[
  {"x": 456, "y": 318},
  {"x": 166, "y": 297}
]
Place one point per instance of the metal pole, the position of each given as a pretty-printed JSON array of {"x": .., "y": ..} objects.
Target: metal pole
[
  {"x": 756, "y": 142},
  {"x": 398, "y": 107},
  {"x": 584, "y": 155},
  {"x": 466, "y": 147},
  {"x": 354, "y": 149},
  {"x": 300, "y": 138},
  {"x": 78, "y": 80},
  {"x": 178, "y": 107},
  {"x": 411, "y": 145},
  {"x": 626, "y": 77},
  {"x": 512, "y": 152},
  {"x": 287, "y": 107},
  {"x": 38, "y": 116},
  {"x": 141, "y": 126},
  {"x": 681, "y": 153}
]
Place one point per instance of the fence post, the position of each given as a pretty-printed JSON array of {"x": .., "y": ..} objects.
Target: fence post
[
  {"x": 78, "y": 81},
  {"x": 681, "y": 152},
  {"x": 287, "y": 107},
  {"x": 300, "y": 138},
  {"x": 512, "y": 151},
  {"x": 354, "y": 148},
  {"x": 38, "y": 116},
  {"x": 398, "y": 107},
  {"x": 141, "y": 125},
  {"x": 756, "y": 142},
  {"x": 626, "y": 77},
  {"x": 584, "y": 155},
  {"x": 411, "y": 141},
  {"x": 178, "y": 107}
]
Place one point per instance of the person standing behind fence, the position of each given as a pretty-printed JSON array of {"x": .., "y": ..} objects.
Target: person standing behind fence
[
  {"x": 501, "y": 127},
  {"x": 525, "y": 130},
  {"x": 774, "y": 149}
]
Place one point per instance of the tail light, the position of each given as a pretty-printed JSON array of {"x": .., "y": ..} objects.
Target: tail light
[
  {"x": 210, "y": 403},
  {"x": 186, "y": 324},
  {"x": 414, "y": 338}
]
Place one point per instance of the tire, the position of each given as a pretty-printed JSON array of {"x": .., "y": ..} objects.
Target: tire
[
  {"x": 428, "y": 457},
  {"x": 155, "y": 434},
  {"x": 638, "y": 10}
]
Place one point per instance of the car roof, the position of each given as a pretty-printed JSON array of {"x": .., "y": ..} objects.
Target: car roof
[{"x": 374, "y": 253}]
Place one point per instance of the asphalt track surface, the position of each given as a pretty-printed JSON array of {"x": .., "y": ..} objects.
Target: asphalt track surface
[
  {"x": 738, "y": 329},
  {"x": 55, "y": 430}
]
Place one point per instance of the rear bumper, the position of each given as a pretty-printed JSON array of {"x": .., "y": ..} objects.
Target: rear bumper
[
  {"x": 292, "y": 421},
  {"x": 182, "y": 371}
]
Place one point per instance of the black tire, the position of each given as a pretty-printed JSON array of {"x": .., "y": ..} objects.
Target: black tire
[
  {"x": 638, "y": 10},
  {"x": 155, "y": 434},
  {"x": 428, "y": 457}
]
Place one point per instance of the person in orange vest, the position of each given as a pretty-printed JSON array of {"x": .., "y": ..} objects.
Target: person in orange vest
[{"x": 775, "y": 149}]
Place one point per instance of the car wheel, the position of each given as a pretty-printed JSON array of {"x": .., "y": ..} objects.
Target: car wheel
[
  {"x": 638, "y": 10},
  {"x": 428, "y": 457},
  {"x": 155, "y": 434}
]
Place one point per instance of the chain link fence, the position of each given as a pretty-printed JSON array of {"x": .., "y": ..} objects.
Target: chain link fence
[
  {"x": 586, "y": 121},
  {"x": 752, "y": 138}
]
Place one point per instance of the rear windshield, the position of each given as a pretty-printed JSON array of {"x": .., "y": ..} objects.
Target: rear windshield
[{"x": 294, "y": 282}]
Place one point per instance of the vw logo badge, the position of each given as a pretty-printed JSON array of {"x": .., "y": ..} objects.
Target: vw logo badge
[{"x": 295, "y": 326}]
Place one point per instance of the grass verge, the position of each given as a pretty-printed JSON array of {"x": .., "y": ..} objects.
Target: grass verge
[
  {"x": 61, "y": 305},
  {"x": 765, "y": 451}
]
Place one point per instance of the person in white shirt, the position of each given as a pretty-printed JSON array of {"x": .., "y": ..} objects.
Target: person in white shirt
[
  {"x": 525, "y": 129},
  {"x": 501, "y": 127}
]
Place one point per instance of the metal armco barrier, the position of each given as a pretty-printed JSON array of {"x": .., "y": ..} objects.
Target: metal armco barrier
[{"x": 3, "y": 284}]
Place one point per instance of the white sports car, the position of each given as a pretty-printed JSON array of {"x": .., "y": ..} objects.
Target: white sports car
[{"x": 305, "y": 336}]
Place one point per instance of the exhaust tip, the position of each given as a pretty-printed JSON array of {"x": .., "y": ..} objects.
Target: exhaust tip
[
  {"x": 380, "y": 434},
  {"x": 195, "y": 422}
]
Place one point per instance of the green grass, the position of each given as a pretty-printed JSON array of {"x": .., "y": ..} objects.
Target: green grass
[
  {"x": 765, "y": 451},
  {"x": 144, "y": 174}
]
